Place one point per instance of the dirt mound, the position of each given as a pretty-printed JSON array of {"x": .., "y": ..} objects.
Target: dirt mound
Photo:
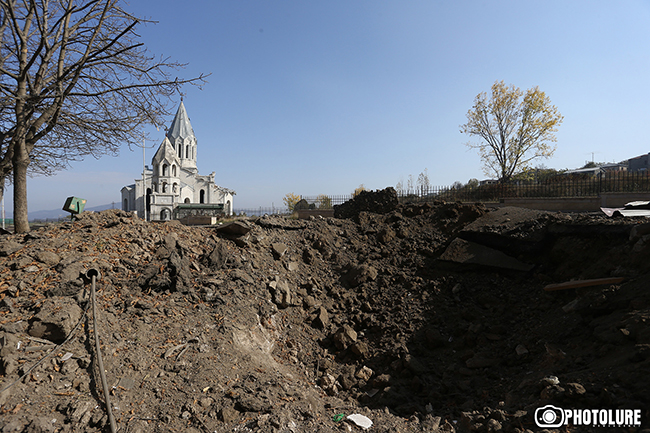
[
  {"x": 379, "y": 202},
  {"x": 273, "y": 324}
]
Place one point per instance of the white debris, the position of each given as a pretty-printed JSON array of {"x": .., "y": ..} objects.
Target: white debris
[{"x": 360, "y": 420}]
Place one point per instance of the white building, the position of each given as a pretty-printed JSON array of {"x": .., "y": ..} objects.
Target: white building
[{"x": 173, "y": 186}]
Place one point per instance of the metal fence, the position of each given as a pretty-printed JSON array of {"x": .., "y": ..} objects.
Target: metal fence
[
  {"x": 259, "y": 211},
  {"x": 560, "y": 186}
]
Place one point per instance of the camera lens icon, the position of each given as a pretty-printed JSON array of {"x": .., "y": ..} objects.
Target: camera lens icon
[{"x": 549, "y": 416}]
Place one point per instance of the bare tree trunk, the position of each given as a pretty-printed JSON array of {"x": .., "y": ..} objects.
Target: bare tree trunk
[
  {"x": 3, "y": 179},
  {"x": 20, "y": 164}
]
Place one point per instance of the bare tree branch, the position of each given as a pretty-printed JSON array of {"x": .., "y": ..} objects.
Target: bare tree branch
[{"x": 75, "y": 81}]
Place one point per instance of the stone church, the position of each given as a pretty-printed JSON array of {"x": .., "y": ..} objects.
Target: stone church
[{"x": 172, "y": 187}]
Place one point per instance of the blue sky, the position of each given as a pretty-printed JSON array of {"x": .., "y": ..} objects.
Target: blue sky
[{"x": 318, "y": 97}]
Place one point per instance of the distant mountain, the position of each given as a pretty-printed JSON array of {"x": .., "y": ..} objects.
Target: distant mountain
[{"x": 59, "y": 213}]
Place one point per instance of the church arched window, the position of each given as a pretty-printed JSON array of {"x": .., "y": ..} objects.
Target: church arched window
[
  {"x": 164, "y": 169},
  {"x": 164, "y": 187},
  {"x": 187, "y": 151},
  {"x": 202, "y": 196},
  {"x": 173, "y": 169},
  {"x": 187, "y": 200}
]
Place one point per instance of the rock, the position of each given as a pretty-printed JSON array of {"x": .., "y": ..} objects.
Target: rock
[
  {"x": 347, "y": 381},
  {"x": 9, "y": 247},
  {"x": 574, "y": 389},
  {"x": 521, "y": 350},
  {"x": 344, "y": 337},
  {"x": 72, "y": 271},
  {"x": 47, "y": 257},
  {"x": 281, "y": 293},
  {"x": 8, "y": 344},
  {"x": 278, "y": 249},
  {"x": 360, "y": 349},
  {"x": 80, "y": 411},
  {"x": 308, "y": 256},
  {"x": 329, "y": 384},
  {"x": 364, "y": 373},
  {"x": 12, "y": 426},
  {"x": 549, "y": 381},
  {"x": 322, "y": 319},
  {"x": 219, "y": 255},
  {"x": 15, "y": 327},
  {"x": 41, "y": 424},
  {"x": 493, "y": 426},
  {"x": 413, "y": 364},
  {"x": 56, "y": 319},
  {"x": 229, "y": 415},
  {"x": 238, "y": 274},
  {"x": 180, "y": 273},
  {"x": 381, "y": 381},
  {"x": 292, "y": 266},
  {"x": 253, "y": 403},
  {"x": 9, "y": 363}
]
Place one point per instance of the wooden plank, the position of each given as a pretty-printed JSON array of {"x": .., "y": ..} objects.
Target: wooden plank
[{"x": 583, "y": 283}]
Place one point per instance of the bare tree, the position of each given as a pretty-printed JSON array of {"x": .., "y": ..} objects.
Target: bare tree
[
  {"x": 74, "y": 80},
  {"x": 423, "y": 181}
]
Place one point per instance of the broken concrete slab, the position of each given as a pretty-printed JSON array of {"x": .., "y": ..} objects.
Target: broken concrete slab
[
  {"x": 471, "y": 253},
  {"x": 631, "y": 209},
  {"x": 509, "y": 228},
  {"x": 235, "y": 228}
]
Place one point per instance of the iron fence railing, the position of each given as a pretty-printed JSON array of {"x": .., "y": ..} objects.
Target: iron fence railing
[{"x": 561, "y": 186}]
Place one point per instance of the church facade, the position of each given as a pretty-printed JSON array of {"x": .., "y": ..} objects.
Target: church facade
[{"x": 172, "y": 187}]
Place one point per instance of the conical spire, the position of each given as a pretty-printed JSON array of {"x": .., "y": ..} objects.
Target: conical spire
[{"x": 181, "y": 126}]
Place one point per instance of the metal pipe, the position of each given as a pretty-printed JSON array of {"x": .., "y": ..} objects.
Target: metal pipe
[{"x": 93, "y": 274}]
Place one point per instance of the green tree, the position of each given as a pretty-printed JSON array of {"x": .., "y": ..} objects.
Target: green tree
[
  {"x": 290, "y": 201},
  {"x": 515, "y": 128},
  {"x": 74, "y": 80}
]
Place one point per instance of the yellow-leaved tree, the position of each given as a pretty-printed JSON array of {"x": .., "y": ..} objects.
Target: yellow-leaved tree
[
  {"x": 324, "y": 202},
  {"x": 358, "y": 190},
  {"x": 290, "y": 200},
  {"x": 515, "y": 128}
]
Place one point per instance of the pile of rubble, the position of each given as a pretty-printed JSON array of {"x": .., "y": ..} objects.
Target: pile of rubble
[{"x": 423, "y": 318}]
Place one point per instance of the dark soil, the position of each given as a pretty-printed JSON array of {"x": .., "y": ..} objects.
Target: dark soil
[{"x": 279, "y": 325}]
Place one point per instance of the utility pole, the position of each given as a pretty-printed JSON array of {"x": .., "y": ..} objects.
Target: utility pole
[{"x": 144, "y": 179}]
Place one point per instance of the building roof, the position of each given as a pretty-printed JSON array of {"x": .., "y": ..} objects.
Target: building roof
[
  {"x": 165, "y": 151},
  {"x": 181, "y": 126}
]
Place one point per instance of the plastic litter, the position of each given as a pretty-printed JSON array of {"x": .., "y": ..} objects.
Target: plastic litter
[{"x": 360, "y": 420}]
